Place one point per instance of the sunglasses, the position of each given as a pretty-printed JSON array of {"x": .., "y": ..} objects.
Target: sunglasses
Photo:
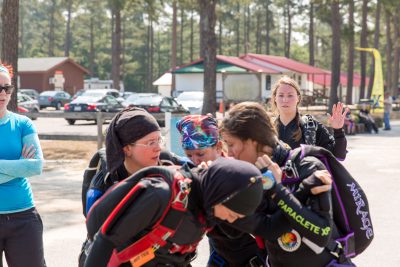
[{"x": 8, "y": 88}]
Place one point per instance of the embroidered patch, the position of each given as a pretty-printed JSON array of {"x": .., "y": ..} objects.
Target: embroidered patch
[{"x": 290, "y": 241}]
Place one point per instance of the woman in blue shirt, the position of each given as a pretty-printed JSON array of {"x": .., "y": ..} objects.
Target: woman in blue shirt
[{"x": 21, "y": 235}]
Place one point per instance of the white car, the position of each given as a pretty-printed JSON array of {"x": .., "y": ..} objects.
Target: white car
[{"x": 191, "y": 100}]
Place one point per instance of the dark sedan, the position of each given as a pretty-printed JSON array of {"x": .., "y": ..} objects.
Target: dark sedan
[
  {"x": 155, "y": 103},
  {"x": 105, "y": 103},
  {"x": 55, "y": 99}
]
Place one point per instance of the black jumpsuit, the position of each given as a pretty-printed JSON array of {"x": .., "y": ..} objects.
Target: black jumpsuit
[
  {"x": 149, "y": 206},
  {"x": 306, "y": 224},
  {"x": 336, "y": 144}
]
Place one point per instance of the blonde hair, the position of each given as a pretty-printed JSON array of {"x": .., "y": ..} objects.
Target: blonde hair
[{"x": 288, "y": 81}]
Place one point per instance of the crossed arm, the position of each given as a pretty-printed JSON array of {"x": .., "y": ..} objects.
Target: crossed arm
[{"x": 29, "y": 164}]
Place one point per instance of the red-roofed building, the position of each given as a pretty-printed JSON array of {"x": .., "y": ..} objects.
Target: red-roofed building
[{"x": 238, "y": 76}]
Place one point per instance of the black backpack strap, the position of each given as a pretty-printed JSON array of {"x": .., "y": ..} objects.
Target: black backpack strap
[
  {"x": 309, "y": 127},
  {"x": 342, "y": 248}
]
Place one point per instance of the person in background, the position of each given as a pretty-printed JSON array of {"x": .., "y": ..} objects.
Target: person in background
[
  {"x": 367, "y": 119},
  {"x": 294, "y": 129},
  {"x": 21, "y": 235},
  {"x": 350, "y": 124},
  {"x": 388, "y": 102}
]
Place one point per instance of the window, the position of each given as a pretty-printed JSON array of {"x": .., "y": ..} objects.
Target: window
[{"x": 268, "y": 82}]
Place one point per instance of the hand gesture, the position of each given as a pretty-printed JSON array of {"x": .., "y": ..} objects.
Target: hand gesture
[
  {"x": 326, "y": 179},
  {"x": 265, "y": 162},
  {"x": 28, "y": 152},
  {"x": 336, "y": 120}
]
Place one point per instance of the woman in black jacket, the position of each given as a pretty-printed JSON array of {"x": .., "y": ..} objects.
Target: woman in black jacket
[
  {"x": 295, "y": 129},
  {"x": 296, "y": 218},
  {"x": 227, "y": 190}
]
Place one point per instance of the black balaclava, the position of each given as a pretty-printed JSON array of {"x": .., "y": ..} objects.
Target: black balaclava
[
  {"x": 127, "y": 127},
  {"x": 235, "y": 184}
]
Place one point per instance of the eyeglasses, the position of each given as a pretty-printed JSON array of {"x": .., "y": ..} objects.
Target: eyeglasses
[
  {"x": 8, "y": 88},
  {"x": 151, "y": 143}
]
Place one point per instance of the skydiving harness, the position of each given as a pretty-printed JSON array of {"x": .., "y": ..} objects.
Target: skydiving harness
[
  {"x": 142, "y": 250},
  {"x": 310, "y": 128}
]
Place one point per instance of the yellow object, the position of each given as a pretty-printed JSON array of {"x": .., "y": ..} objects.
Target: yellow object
[
  {"x": 377, "y": 89},
  {"x": 142, "y": 258}
]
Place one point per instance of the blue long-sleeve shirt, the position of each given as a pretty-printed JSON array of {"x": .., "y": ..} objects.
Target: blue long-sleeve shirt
[{"x": 15, "y": 190}]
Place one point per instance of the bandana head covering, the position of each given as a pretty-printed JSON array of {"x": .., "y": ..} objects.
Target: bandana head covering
[
  {"x": 128, "y": 126},
  {"x": 234, "y": 183},
  {"x": 198, "y": 131}
]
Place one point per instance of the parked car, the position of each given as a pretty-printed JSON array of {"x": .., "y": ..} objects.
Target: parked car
[
  {"x": 86, "y": 103},
  {"x": 25, "y": 101},
  {"x": 101, "y": 92},
  {"x": 55, "y": 99},
  {"x": 30, "y": 92},
  {"x": 78, "y": 93},
  {"x": 155, "y": 103},
  {"x": 191, "y": 100}
]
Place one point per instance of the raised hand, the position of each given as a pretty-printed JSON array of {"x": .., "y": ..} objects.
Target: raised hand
[
  {"x": 336, "y": 120},
  {"x": 28, "y": 152}
]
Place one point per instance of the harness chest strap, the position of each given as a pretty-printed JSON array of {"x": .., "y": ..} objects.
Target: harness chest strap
[{"x": 142, "y": 251}]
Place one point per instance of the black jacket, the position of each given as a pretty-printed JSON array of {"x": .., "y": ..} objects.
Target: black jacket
[
  {"x": 336, "y": 144},
  {"x": 304, "y": 215},
  {"x": 149, "y": 206}
]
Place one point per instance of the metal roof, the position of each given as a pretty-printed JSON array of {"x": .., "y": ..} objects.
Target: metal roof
[
  {"x": 43, "y": 64},
  {"x": 319, "y": 79},
  {"x": 286, "y": 63},
  {"x": 226, "y": 64}
]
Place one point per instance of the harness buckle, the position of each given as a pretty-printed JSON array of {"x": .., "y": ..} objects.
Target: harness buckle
[
  {"x": 336, "y": 251},
  {"x": 183, "y": 194}
]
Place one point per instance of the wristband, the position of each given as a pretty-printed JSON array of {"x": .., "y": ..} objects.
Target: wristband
[{"x": 268, "y": 180}]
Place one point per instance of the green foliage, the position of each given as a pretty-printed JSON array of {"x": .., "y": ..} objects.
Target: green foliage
[{"x": 136, "y": 15}]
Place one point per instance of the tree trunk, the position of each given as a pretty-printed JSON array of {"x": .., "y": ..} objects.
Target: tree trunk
[
  {"x": 267, "y": 25},
  {"x": 9, "y": 43},
  {"x": 220, "y": 37},
  {"x": 91, "y": 52},
  {"x": 388, "y": 52},
  {"x": 67, "y": 45},
  {"x": 336, "y": 52},
  {"x": 396, "y": 48},
  {"x": 246, "y": 30},
  {"x": 51, "y": 29},
  {"x": 116, "y": 48},
  {"x": 238, "y": 29},
  {"x": 22, "y": 14},
  {"x": 350, "y": 61},
  {"x": 207, "y": 27},
  {"x": 258, "y": 34},
  {"x": 173, "y": 45},
  {"x": 311, "y": 36},
  {"x": 191, "y": 36},
  {"x": 376, "y": 45},
  {"x": 363, "y": 43},
  {"x": 289, "y": 29},
  {"x": 181, "y": 38},
  {"x": 150, "y": 59}
]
